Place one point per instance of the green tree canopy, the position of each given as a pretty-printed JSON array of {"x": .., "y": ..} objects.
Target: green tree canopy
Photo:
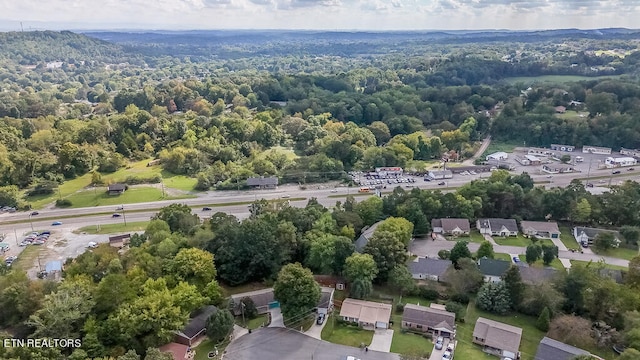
[{"x": 297, "y": 291}]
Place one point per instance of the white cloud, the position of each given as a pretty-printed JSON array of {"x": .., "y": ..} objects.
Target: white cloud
[{"x": 323, "y": 14}]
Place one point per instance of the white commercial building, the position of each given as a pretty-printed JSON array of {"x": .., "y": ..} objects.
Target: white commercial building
[
  {"x": 630, "y": 152},
  {"x": 596, "y": 150},
  {"x": 389, "y": 171},
  {"x": 500, "y": 155},
  {"x": 612, "y": 162}
]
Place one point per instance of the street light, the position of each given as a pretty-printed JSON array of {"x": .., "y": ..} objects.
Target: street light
[
  {"x": 31, "y": 221},
  {"x": 124, "y": 217}
]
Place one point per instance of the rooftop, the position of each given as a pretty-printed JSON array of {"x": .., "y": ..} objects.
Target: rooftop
[
  {"x": 431, "y": 317},
  {"x": 498, "y": 335},
  {"x": 550, "y": 349},
  {"x": 198, "y": 322},
  {"x": 366, "y": 311},
  {"x": 545, "y": 226},
  {"x": 493, "y": 267},
  {"x": 436, "y": 267}
]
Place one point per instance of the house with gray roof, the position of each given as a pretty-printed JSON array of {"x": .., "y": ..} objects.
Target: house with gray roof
[
  {"x": 497, "y": 338},
  {"x": 550, "y": 349},
  {"x": 585, "y": 235},
  {"x": 498, "y": 227},
  {"x": 263, "y": 182},
  {"x": 451, "y": 226},
  {"x": 427, "y": 319},
  {"x": 325, "y": 304},
  {"x": 493, "y": 269},
  {"x": 261, "y": 299},
  {"x": 367, "y": 233},
  {"x": 541, "y": 229},
  {"x": 428, "y": 268},
  {"x": 196, "y": 327}
]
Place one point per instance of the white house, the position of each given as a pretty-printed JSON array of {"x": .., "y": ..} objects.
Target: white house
[
  {"x": 499, "y": 156},
  {"x": 498, "y": 227},
  {"x": 612, "y": 162}
]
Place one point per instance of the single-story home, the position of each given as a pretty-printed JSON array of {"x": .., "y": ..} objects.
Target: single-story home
[
  {"x": 493, "y": 269},
  {"x": 196, "y": 327},
  {"x": 367, "y": 233},
  {"x": 325, "y": 304},
  {"x": 427, "y": 319},
  {"x": 497, "y": 338},
  {"x": 498, "y": 227},
  {"x": 500, "y": 155},
  {"x": 534, "y": 275},
  {"x": 541, "y": 229},
  {"x": 451, "y": 226},
  {"x": 178, "y": 351},
  {"x": 261, "y": 299},
  {"x": 263, "y": 182},
  {"x": 116, "y": 189},
  {"x": 366, "y": 313},
  {"x": 586, "y": 236},
  {"x": 119, "y": 241},
  {"x": 550, "y": 349},
  {"x": 428, "y": 268}
]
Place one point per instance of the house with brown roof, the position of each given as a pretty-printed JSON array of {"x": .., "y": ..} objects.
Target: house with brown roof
[
  {"x": 540, "y": 229},
  {"x": 367, "y": 314},
  {"x": 451, "y": 226},
  {"x": 178, "y": 351},
  {"x": 429, "y": 320},
  {"x": 262, "y": 299},
  {"x": 497, "y": 338},
  {"x": 196, "y": 327}
]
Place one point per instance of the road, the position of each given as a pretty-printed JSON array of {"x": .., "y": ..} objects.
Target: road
[{"x": 481, "y": 150}]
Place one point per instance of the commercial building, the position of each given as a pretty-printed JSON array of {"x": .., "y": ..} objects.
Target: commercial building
[
  {"x": 587, "y": 149},
  {"x": 559, "y": 147},
  {"x": 629, "y": 152},
  {"x": 389, "y": 171},
  {"x": 440, "y": 174},
  {"x": 612, "y": 162},
  {"x": 500, "y": 155},
  {"x": 540, "y": 151},
  {"x": 557, "y": 168}
]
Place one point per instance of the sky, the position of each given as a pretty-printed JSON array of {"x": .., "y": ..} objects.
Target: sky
[{"x": 318, "y": 14}]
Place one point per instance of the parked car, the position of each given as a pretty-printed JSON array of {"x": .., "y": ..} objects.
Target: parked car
[
  {"x": 320, "y": 319},
  {"x": 34, "y": 213},
  {"x": 439, "y": 343},
  {"x": 10, "y": 260},
  {"x": 206, "y": 208},
  {"x": 56, "y": 223},
  {"x": 92, "y": 245},
  {"x": 450, "y": 347},
  {"x": 46, "y": 232},
  {"x": 516, "y": 259},
  {"x": 446, "y": 355}
]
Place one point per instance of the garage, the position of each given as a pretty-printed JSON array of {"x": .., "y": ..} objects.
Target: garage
[{"x": 381, "y": 325}]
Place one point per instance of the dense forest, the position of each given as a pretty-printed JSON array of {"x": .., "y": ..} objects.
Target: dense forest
[{"x": 84, "y": 105}]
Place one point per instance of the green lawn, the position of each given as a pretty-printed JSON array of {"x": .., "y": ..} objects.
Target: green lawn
[
  {"x": 620, "y": 253},
  {"x": 566, "y": 236},
  {"x": 253, "y": 323},
  {"x": 27, "y": 257},
  {"x": 530, "y": 335},
  {"x": 495, "y": 146},
  {"x": 118, "y": 227},
  {"x": 500, "y": 256},
  {"x": 556, "y": 78},
  {"x": 519, "y": 241},
  {"x": 232, "y": 290},
  {"x": 65, "y": 189},
  {"x": 414, "y": 300},
  {"x": 350, "y": 335},
  {"x": 556, "y": 264},
  {"x": 408, "y": 343},
  {"x": 202, "y": 350},
  {"x": 606, "y": 266},
  {"x": 88, "y": 198}
]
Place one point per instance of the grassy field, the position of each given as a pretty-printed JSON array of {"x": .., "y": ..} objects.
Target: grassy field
[
  {"x": 530, "y": 335},
  {"x": 349, "y": 335},
  {"x": 408, "y": 343},
  {"x": 519, "y": 241},
  {"x": 556, "y": 78},
  {"x": 27, "y": 257},
  {"x": 606, "y": 266},
  {"x": 556, "y": 264},
  {"x": 620, "y": 253},
  {"x": 113, "y": 228},
  {"x": 88, "y": 198},
  {"x": 571, "y": 114},
  {"x": 500, "y": 256},
  {"x": 495, "y": 146}
]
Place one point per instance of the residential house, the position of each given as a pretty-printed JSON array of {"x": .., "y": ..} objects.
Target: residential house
[
  {"x": 196, "y": 327},
  {"x": 541, "y": 229},
  {"x": 428, "y": 268},
  {"x": 556, "y": 168},
  {"x": 366, "y": 313},
  {"x": 367, "y": 233},
  {"x": 263, "y": 182},
  {"x": 585, "y": 236},
  {"x": 262, "y": 299},
  {"x": 498, "y": 156},
  {"x": 587, "y": 149},
  {"x": 498, "y": 227},
  {"x": 119, "y": 241},
  {"x": 559, "y": 147},
  {"x": 178, "y": 351},
  {"x": 493, "y": 269},
  {"x": 532, "y": 275},
  {"x": 550, "y": 349},
  {"x": 451, "y": 226},
  {"x": 325, "y": 304},
  {"x": 427, "y": 319},
  {"x": 497, "y": 338},
  {"x": 116, "y": 189},
  {"x": 560, "y": 109}
]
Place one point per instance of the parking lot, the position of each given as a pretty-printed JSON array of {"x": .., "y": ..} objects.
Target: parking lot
[{"x": 381, "y": 181}]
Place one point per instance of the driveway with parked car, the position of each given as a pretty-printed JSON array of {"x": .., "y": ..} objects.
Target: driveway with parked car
[{"x": 315, "y": 330}]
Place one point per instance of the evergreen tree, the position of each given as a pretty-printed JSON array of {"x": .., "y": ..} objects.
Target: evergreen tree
[{"x": 544, "y": 320}]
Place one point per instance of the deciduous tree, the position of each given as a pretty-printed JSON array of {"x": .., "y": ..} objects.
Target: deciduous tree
[
  {"x": 297, "y": 291},
  {"x": 485, "y": 250},
  {"x": 460, "y": 250},
  {"x": 220, "y": 325},
  {"x": 387, "y": 251}
]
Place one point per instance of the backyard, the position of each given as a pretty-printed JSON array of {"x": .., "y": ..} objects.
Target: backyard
[
  {"x": 339, "y": 333},
  {"x": 408, "y": 343},
  {"x": 254, "y": 323}
]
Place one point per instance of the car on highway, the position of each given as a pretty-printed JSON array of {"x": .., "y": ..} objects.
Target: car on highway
[
  {"x": 616, "y": 172},
  {"x": 516, "y": 259},
  {"x": 56, "y": 223},
  {"x": 206, "y": 208},
  {"x": 34, "y": 213},
  {"x": 589, "y": 185},
  {"x": 116, "y": 215},
  {"x": 630, "y": 169},
  {"x": 120, "y": 208},
  {"x": 439, "y": 343},
  {"x": 334, "y": 190},
  {"x": 286, "y": 196},
  {"x": 442, "y": 183}
]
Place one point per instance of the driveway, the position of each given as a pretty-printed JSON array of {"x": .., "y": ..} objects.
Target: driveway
[
  {"x": 276, "y": 318},
  {"x": 381, "y": 340},
  {"x": 316, "y": 330},
  {"x": 437, "y": 354}
]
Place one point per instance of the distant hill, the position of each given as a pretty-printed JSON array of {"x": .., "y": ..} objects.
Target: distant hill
[{"x": 34, "y": 47}]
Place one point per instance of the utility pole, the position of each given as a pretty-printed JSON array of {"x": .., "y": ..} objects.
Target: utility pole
[
  {"x": 31, "y": 222},
  {"x": 242, "y": 305},
  {"x": 124, "y": 217},
  {"x": 16, "y": 234}
]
